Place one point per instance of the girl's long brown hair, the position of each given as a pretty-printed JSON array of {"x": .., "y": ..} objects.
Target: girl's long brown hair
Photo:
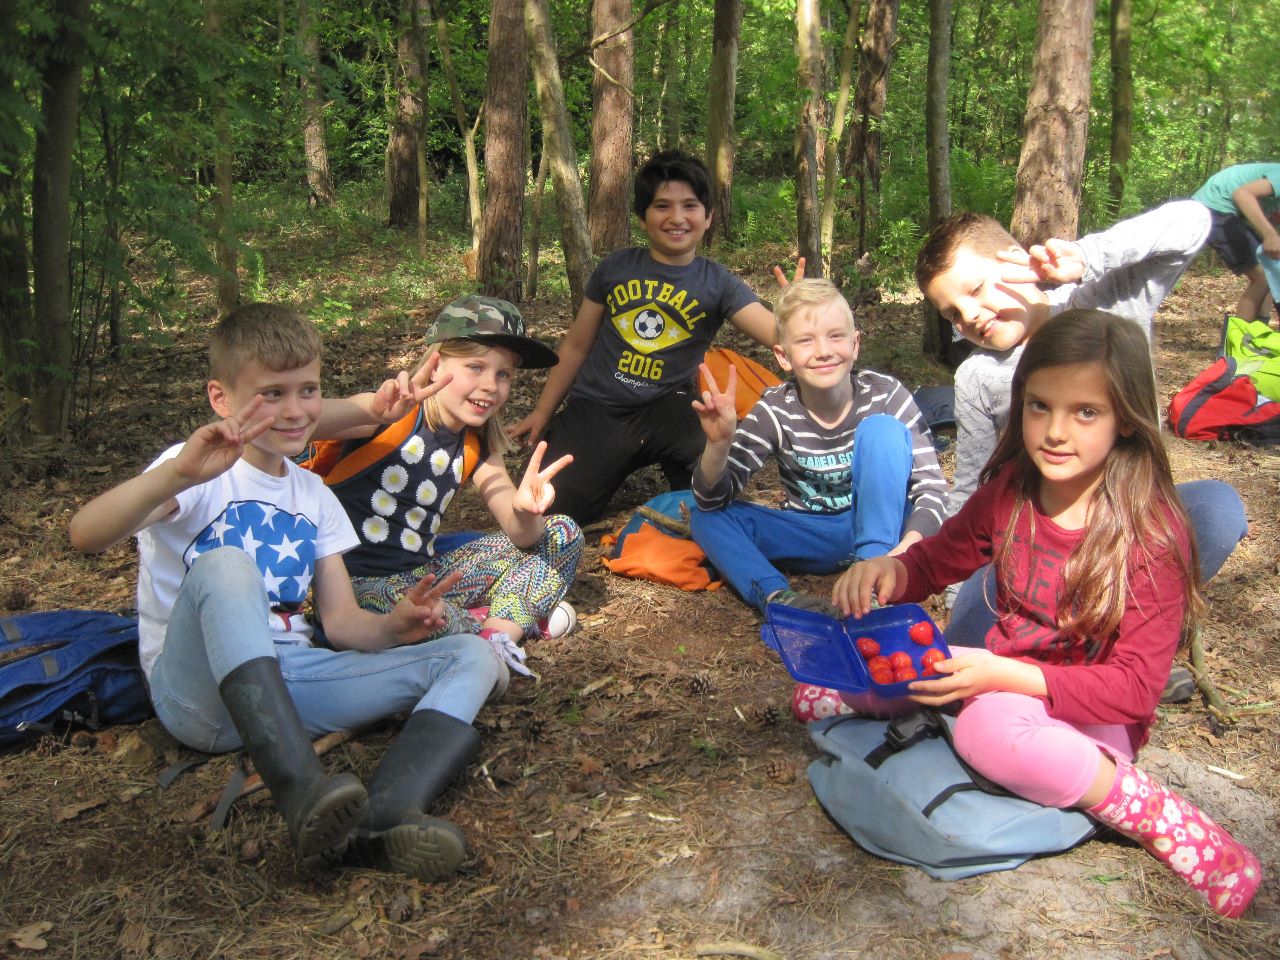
[{"x": 1135, "y": 511}]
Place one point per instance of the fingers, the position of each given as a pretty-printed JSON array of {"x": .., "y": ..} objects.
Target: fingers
[
  {"x": 535, "y": 459},
  {"x": 799, "y": 275},
  {"x": 429, "y": 589},
  {"x": 709, "y": 377},
  {"x": 782, "y": 277},
  {"x": 422, "y": 377},
  {"x": 556, "y": 467}
]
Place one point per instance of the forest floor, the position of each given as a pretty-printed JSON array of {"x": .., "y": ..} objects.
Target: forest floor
[{"x": 647, "y": 797}]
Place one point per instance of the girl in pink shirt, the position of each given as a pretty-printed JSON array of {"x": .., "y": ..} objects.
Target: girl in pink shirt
[{"x": 1096, "y": 583}]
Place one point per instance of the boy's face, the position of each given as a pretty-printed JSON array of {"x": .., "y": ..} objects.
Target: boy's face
[
  {"x": 675, "y": 223},
  {"x": 481, "y": 385},
  {"x": 819, "y": 346},
  {"x": 292, "y": 397},
  {"x": 984, "y": 309}
]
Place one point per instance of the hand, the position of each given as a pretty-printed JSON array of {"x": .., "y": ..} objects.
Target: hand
[
  {"x": 1271, "y": 246},
  {"x": 962, "y": 677},
  {"x": 1061, "y": 261},
  {"x": 396, "y": 397},
  {"x": 214, "y": 448},
  {"x": 535, "y": 493},
  {"x": 529, "y": 430},
  {"x": 716, "y": 411},
  {"x": 852, "y": 591},
  {"x": 421, "y": 611},
  {"x": 782, "y": 277}
]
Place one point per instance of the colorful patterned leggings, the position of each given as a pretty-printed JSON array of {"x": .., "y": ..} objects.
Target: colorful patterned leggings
[{"x": 522, "y": 586}]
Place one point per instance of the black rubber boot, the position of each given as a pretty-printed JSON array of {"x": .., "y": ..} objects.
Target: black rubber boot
[
  {"x": 322, "y": 811},
  {"x": 431, "y": 750}
]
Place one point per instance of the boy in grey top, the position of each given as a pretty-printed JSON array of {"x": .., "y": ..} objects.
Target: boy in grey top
[
  {"x": 854, "y": 455},
  {"x": 987, "y": 285}
]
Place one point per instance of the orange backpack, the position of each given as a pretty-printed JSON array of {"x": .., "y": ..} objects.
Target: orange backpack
[
  {"x": 753, "y": 379},
  {"x": 653, "y": 545},
  {"x": 326, "y": 457}
]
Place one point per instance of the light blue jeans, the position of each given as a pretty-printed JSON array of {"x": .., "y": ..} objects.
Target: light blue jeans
[
  {"x": 1217, "y": 518},
  {"x": 219, "y": 621}
]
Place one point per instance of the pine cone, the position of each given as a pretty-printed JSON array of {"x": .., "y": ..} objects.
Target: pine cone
[
  {"x": 780, "y": 771},
  {"x": 533, "y": 728},
  {"x": 701, "y": 683},
  {"x": 763, "y": 715}
]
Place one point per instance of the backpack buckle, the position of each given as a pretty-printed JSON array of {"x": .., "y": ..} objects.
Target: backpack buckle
[{"x": 903, "y": 731}]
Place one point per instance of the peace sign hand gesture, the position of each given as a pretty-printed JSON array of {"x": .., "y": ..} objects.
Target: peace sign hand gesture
[
  {"x": 397, "y": 396},
  {"x": 535, "y": 493},
  {"x": 214, "y": 448},
  {"x": 716, "y": 411},
  {"x": 422, "y": 610}
]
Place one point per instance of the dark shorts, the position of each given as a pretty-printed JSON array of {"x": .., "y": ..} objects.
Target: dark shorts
[{"x": 1234, "y": 240}]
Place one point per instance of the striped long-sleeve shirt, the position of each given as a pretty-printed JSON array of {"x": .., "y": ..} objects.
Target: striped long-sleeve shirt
[{"x": 814, "y": 461}]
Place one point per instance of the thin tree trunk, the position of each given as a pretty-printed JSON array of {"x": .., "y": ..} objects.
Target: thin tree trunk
[
  {"x": 1121, "y": 99},
  {"x": 1051, "y": 167},
  {"x": 17, "y": 324},
  {"x": 612, "y": 119},
  {"x": 937, "y": 332},
  {"x": 421, "y": 11},
  {"x": 862, "y": 160},
  {"x": 809, "y": 75},
  {"x": 557, "y": 140},
  {"x": 721, "y": 97},
  {"x": 223, "y": 160},
  {"x": 831, "y": 148},
  {"x": 402, "y": 140},
  {"x": 466, "y": 130},
  {"x": 672, "y": 78},
  {"x": 314, "y": 142},
  {"x": 505, "y": 115},
  {"x": 535, "y": 224}
]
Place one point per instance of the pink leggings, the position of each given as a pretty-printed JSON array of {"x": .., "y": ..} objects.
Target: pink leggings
[{"x": 1011, "y": 739}]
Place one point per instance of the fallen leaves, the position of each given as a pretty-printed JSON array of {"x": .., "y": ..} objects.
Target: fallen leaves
[
  {"x": 73, "y": 810},
  {"x": 31, "y": 937}
]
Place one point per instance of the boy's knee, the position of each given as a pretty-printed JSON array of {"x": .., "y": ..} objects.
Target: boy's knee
[
  {"x": 225, "y": 569},
  {"x": 884, "y": 432}
]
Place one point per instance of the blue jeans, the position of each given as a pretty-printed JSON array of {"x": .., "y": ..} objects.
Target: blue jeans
[
  {"x": 219, "y": 621},
  {"x": 1217, "y": 519},
  {"x": 744, "y": 541}
]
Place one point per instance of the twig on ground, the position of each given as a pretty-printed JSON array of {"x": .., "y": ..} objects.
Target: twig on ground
[
  {"x": 1212, "y": 698},
  {"x": 202, "y": 808},
  {"x": 734, "y": 949}
]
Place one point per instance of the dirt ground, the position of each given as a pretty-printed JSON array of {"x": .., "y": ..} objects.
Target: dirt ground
[{"x": 646, "y": 798}]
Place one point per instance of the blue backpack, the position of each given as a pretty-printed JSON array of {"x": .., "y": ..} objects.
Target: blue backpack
[
  {"x": 898, "y": 788},
  {"x": 68, "y": 667}
]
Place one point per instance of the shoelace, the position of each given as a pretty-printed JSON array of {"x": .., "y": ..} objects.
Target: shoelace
[{"x": 510, "y": 652}]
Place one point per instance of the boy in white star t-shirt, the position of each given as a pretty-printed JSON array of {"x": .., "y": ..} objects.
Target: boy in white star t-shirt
[{"x": 232, "y": 536}]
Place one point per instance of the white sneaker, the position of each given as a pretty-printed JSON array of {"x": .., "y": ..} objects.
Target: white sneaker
[{"x": 559, "y": 622}]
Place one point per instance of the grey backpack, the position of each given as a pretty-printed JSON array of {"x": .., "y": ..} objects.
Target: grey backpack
[{"x": 898, "y": 788}]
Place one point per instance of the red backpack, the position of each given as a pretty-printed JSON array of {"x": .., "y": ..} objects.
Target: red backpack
[{"x": 1222, "y": 404}]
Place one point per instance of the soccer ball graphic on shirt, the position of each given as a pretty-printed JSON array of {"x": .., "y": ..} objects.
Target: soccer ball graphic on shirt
[{"x": 649, "y": 324}]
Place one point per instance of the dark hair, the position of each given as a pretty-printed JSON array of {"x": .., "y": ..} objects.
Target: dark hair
[
  {"x": 1135, "y": 512},
  {"x": 666, "y": 167},
  {"x": 982, "y": 234},
  {"x": 277, "y": 336}
]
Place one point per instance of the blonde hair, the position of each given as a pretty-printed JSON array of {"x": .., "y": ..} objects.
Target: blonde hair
[
  {"x": 805, "y": 295},
  {"x": 495, "y": 433},
  {"x": 1135, "y": 512},
  {"x": 278, "y": 337}
]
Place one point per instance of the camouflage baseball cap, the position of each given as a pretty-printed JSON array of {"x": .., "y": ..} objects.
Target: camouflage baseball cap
[{"x": 490, "y": 320}]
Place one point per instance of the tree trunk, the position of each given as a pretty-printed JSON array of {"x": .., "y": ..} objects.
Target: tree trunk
[
  {"x": 831, "y": 149},
  {"x": 17, "y": 324},
  {"x": 1121, "y": 99},
  {"x": 612, "y": 118},
  {"x": 809, "y": 75},
  {"x": 314, "y": 142},
  {"x": 721, "y": 95},
  {"x": 535, "y": 224},
  {"x": 1050, "y": 170},
  {"x": 672, "y": 78},
  {"x": 557, "y": 140},
  {"x": 402, "y": 141},
  {"x": 505, "y": 115},
  {"x": 421, "y": 11},
  {"x": 862, "y": 160},
  {"x": 937, "y": 331},
  {"x": 467, "y": 131},
  {"x": 223, "y": 161}
]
